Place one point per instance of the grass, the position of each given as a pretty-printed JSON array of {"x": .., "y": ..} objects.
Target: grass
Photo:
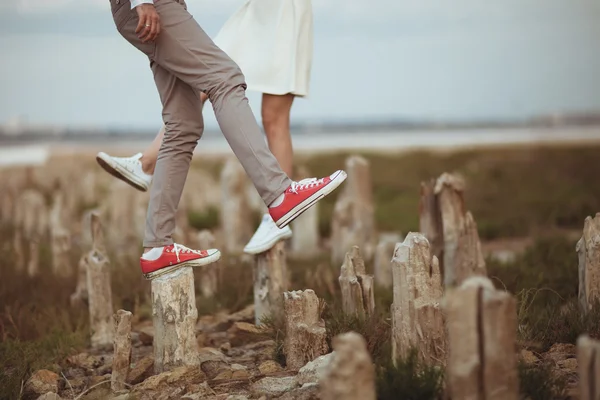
[
  {"x": 540, "y": 382},
  {"x": 515, "y": 192}
]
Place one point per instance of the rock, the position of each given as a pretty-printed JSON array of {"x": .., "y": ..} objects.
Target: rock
[
  {"x": 198, "y": 392},
  {"x": 214, "y": 369},
  {"x": 241, "y": 333},
  {"x": 41, "y": 382},
  {"x": 95, "y": 380},
  {"x": 211, "y": 354},
  {"x": 313, "y": 371},
  {"x": 225, "y": 347},
  {"x": 570, "y": 364},
  {"x": 561, "y": 351},
  {"x": 142, "y": 370},
  {"x": 77, "y": 384},
  {"x": 146, "y": 336},
  {"x": 269, "y": 367},
  {"x": 528, "y": 357},
  {"x": 178, "y": 377},
  {"x": 84, "y": 360},
  {"x": 237, "y": 397},
  {"x": 49, "y": 396},
  {"x": 310, "y": 391},
  {"x": 239, "y": 371},
  {"x": 273, "y": 387}
]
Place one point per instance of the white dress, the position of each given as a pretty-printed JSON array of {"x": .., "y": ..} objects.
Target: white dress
[{"x": 272, "y": 42}]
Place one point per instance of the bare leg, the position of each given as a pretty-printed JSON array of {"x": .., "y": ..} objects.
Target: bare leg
[
  {"x": 276, "y": 122},
  {"x": 150, "y": 155}
]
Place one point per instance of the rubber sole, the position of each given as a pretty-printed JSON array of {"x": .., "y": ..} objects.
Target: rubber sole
[
  {"x": 118, "y": 172},
  {"x": 306, "y": 204},
  {"x": 192, "y": 263},
  {"x": 268, "y": 245}
]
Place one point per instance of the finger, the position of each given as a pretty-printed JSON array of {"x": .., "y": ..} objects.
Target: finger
[
  {"x": 141, "y": 23},
  {"x": 147, "y": 29},
  {"x": 155, "y": 29}
]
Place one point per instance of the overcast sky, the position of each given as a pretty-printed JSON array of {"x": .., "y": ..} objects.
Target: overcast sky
[{"x": 62, "y": 61}]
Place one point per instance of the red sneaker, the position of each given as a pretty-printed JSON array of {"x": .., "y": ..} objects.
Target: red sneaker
[
  {"x": 176, "y": 256},
  {"x": 300, "y": 196}
]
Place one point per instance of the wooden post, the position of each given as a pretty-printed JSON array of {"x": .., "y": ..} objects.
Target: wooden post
[
  {"x": 384, "y": 252},
  {"x": 588, "y": 250},
  {"x": 450, "y": 229},
  {"x": 588, "y": 363},
  {"x": 270, "y": 281},
  {"x": 482, "y": 328},
  {"x": 33, "y": 225},
  {"x": 98, "y": 285},
  {"x": 81, "y": 293},
  {"x": 235, "y": 213},
  {"x": 357, "y": 287},
  {"x": 209, "y": 274},
  {"x": 122, "y": 350},
  {"x": 350, "y": 375},
  {"x": 60, "y": 235},
  {"x": 417, "y": 318},
  {"x": 174, "y": 315},
  {"x": 305, "y": 241},
  {"x": 353, "y": 222},
  {"x": 305, "y": 337}
]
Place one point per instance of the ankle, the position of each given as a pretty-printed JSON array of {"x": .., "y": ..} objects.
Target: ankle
[{"x": 148, "y": 165}]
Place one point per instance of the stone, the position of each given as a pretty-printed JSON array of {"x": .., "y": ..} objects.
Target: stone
[
  {"x": 306, "y": 335},
  {"x": 199, "y": 392},
  {"x": 269, "y": 367},
  {"x": 243, "y": 332},
  {"x": 213, "y": 369},
  {"x": 350, "y": 374},
  {"x": 41, "y": 382},
  {"x": 180, "y": 376},
  {"x": 417, "y": 317},
  {"x": 528, "y": 357},
  {"x": 141, "y": 370},
  {"x": 174, "y": 316},
  {"x": 314, "y": 370},
  {"x": 239, "y": 372},
  {"x": 570, "y": 364},
  {"x": 49, "y": 396},
  {"x": 273, "y": 387}
]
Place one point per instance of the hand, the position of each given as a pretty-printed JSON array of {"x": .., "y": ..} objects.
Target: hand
[{"x": 149, "y": 26}]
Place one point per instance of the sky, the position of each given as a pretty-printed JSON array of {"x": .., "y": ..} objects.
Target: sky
[{"x": 62, "y": 61}]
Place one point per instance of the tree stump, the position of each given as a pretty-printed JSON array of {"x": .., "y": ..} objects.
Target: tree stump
[
  {"x": 60, "y": 236},
  {"x": 357, "y": 287},
  {"x": 384, "y": 252},
  {"x": 451, "y": 231},
  {"x": 353, "y": 222},
  {"x": 482, "y": 328},
  {"x": 32, "y": 226},
  {"x": 209, "y": 274},
  {"x": 350, "y": 375},
  {"x": 588, "y": 363},
  {"x": 98, "y": 286},
  {"x": 305, "y": 241},
  {"x": 305, "y": 337},
  {"x": 235, "y": 213},
  {"x": 174, "y": 316},
  {"x": 270, "y": 282},
  {"x": 417, "y": 317},
  {"x": 122, "y": 350},
  {"x": 588, "y": 250},
  {"x": 80, "y": 296}
]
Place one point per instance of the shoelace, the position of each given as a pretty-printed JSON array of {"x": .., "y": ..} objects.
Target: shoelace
[
  {"x": 305, "y": 184},
  {"x": 178, "y": 248}
]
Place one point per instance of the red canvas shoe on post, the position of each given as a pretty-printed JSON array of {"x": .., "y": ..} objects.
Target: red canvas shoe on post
[
  {"x": 158, "y": 262},
  {"x": 300, "y": 196}
]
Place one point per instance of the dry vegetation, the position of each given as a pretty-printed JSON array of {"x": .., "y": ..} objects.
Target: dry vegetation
[{"x": 540, "y": 194}]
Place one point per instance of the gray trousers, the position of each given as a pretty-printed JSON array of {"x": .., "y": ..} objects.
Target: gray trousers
[{"x": 185, "y": 61}]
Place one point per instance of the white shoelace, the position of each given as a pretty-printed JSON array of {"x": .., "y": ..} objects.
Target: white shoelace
[
  {"x": 305, "y": 184},
  {"x": 178, "y": 248}
]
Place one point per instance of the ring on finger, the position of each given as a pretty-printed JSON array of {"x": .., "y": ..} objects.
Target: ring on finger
[{"x": 147, "y": 25}]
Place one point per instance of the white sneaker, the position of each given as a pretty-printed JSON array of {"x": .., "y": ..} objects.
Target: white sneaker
[
  {"x": 266, "y": 236},
  {"x": 128, "y": 169}
]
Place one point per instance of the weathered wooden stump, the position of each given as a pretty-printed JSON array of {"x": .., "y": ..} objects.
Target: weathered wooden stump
[
  {"x": 209, "y": 274},
  {"x": 417, "y": 317},
  {"x": 122, "y": 350},
  {"x": 32, "y": 226},
  {"x": 357, "y": 287},
  {"x": 235, "y": 213},
  {"x": 305, "y": 337},
  {"x": 451, "y": 229},
  {"x": 98, "y": 287},
  {"x": 353, "y": 221},
  {"x": 588, "y": 250},
  {"x": 60, "y": 236},
  {"x": 80, "y": 296},
  {"x": 270, "y": 282},
  {"x": 350, "y": 375},
  {"x": 305, "y": 241},
  {"x": 384, "y": 252},
  {"x": 482, "y": 328},
  {"x": 588, "y": 363},
  {"x": 174, "y": 316}
]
